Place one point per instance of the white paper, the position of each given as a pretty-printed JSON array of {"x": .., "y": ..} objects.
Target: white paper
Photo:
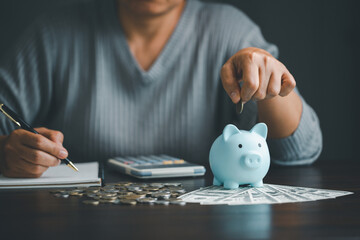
[{"x": 59, "y": 176}]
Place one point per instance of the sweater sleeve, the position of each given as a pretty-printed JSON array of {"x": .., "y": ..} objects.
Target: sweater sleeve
[
  {"x": 25, "y": 77},
  {"x": 305, "y": 144}
]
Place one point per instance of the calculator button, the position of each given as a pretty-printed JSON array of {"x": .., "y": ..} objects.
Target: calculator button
[
  {"x": 179, "y": 161},
  {"x": 167, "y": 162}
]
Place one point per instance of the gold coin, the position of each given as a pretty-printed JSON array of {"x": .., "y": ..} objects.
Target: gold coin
[{"x": 133, "y": 197}]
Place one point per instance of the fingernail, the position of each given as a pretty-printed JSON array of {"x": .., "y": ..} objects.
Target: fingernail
[
  {"x": 59, "y": 161},
  {"x": 234, "y": 96},
  {"x": 62, "y": 154}
]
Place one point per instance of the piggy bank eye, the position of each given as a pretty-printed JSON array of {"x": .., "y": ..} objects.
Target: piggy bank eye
[
  {"x": 259, "y": 144},
  {"x": 240, "y": 145}
]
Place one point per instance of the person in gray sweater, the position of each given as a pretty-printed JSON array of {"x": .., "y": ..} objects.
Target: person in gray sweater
[{"x": 127, "y": 78}]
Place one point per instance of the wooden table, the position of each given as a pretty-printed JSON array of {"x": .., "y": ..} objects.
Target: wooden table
[{"x": 37, "y": 214}]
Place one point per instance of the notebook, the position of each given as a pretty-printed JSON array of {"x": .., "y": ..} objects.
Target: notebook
[{"x": 58, "y": 177}]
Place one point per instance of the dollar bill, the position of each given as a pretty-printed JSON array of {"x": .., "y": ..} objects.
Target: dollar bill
[{"x": 268, "y": 194}]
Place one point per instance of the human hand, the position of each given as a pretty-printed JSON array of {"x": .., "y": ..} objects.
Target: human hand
[
  {"x": 26, "y": 154},
  {"x": 263, "y": 76}
]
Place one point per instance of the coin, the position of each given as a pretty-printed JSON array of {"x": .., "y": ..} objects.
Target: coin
[
  {"x": 109, "y": 197},
  {"x": 75, "y": 193},
  {"x": 151, "y": 189},
  {"x": 160, "y": 196},
  {"x": 107, "y": 200},
  {"x": 157, "y": 185},
  {"x": 162, "y": 202},
  {"x": 91, "y": 191},
  {"x": 239, "y": 107},
  {"x": 61, "y": 195},
  {"x": 133, "y": 188},
  {"x": 146, "y": 200},
  {"x": 127, "y": 193},
  {"x": 133, "y": 197},
  {"x": 127, "y": 201},
  {"x": 91, "y": 202},
  {"x": 111, "y": 190}
]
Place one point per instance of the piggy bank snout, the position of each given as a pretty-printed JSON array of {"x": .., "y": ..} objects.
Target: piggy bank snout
[{"x": 252, "y": 160}]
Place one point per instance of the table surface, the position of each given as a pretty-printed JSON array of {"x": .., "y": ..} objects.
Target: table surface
[{"x": 38, "y": 214}]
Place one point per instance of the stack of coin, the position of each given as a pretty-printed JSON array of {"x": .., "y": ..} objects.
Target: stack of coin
[{"x": 127, "y": 193}]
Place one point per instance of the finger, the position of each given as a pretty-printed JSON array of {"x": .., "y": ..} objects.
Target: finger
[
  {"x": 287, "y": 84},
  {"x": 39, "y": 142},
  {"x": 250, "y": 81},
  {"x": 36, "y": 156},
  {"x": 19, "y": 174},
  {"x": 274, "y": 86},
  {"x": 53, "y": 135},
  {"x": 260, "y": 94},
  {"x": 229, "y": 81},
  {"x": 18, "y": 167},
  {"x": 29, "y": 169}
]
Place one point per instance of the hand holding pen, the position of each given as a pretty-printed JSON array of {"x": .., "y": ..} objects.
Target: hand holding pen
[{"x": 25, "y": 154}]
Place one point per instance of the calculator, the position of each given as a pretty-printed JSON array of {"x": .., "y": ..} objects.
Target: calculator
[{"x": 155, "y": 166}]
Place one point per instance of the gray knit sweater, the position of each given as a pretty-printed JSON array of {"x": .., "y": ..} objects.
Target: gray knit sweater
[{"x": 73, "y": 71}]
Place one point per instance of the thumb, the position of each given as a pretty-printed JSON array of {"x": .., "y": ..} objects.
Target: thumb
[{"x": 229, "y": 81}]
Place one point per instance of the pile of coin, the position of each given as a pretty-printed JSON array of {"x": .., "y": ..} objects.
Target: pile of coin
[{"x": 127, "y": 193}]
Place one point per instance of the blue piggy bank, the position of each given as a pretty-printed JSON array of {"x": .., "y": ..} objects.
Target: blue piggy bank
[{"x": 240, "y": 157}]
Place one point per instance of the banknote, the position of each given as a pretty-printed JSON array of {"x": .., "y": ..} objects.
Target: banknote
[{"x": 268, "y": 194}]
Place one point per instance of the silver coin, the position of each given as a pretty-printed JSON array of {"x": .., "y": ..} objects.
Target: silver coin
[
  {"x": 161, "y": 202},
  {"x": 133, "y": 189},
  {"x": 239, "y": 107},
  {"x": 107, "y": 200},
  {"x": 178, "y": 191},
  {"x": 146, "y": 200},
  {"x": 157, "y": 185},
  {"x": 111, "y": 190},
  {"x": 61, "y": 195},
  {"x": 160, "y": 196}
]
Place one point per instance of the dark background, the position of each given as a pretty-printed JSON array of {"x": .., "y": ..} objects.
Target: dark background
[{"x": 318, "y": 42}]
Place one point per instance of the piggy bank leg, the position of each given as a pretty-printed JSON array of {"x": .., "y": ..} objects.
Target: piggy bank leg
[
  {"x": 231, "y": 185},
  {"x": 258, "y": 184},
  {"x": 216, "y": 182}
]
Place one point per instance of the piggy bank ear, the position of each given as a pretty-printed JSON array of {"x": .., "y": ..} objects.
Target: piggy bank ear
[
  {"x": 230, "y": 130},
  {"x": 260, "y": 129}
]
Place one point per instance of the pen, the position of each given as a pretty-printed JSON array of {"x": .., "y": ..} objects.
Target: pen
[{"x": 21, "y": 123}]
